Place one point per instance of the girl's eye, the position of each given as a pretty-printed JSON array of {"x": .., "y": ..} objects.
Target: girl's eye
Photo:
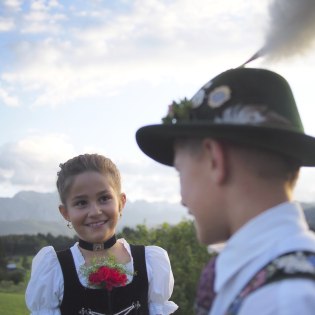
[
  {"x": 105, "y": 198},
  {"x": 80, "y": 203}
]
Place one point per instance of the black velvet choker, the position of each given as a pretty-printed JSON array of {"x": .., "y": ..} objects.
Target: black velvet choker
[{"x": 98, "y": 246}]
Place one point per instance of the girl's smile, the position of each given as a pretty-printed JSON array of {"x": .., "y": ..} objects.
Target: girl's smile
[
  {"x": 96, "y": 224},
  {"x": 93, "y": 206}
]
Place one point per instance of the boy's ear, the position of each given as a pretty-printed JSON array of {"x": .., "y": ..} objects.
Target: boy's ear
[
  {"x": 64, "y": 212},
  {"x": 218, "y": 159}
]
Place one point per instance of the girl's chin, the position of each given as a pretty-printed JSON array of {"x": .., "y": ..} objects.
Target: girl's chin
[{"x": 99, "y": 237}]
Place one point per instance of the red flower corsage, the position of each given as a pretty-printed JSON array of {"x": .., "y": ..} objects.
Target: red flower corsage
[{"x": 105, "y": 274}]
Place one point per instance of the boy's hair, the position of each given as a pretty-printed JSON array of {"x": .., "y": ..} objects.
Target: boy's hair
[
  {"x": 263, "y": 163},
  {"x": 269, "y": 165},
  {"x": 81, "y": 164}
]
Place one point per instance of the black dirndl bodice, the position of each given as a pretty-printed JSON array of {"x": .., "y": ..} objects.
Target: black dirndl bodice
[{"x": 78, "y": 299}]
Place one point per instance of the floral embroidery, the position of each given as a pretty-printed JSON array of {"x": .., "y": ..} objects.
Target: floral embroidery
[
  {"x": 205, "y": 293},
  {"x": 296, "y": 264},
  {"x": 250, "y": 114}
]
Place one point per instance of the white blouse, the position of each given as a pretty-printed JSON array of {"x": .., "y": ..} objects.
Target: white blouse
[
  {"x": 274, "y": 232},
  {"x": 44, "y": 292}
]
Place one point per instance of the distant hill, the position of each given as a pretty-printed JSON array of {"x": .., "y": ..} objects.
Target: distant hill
[
  {"x": 34, "y": 227},
  {"x": 31, "y": 212},
  {"x": 30, "y": 205}
]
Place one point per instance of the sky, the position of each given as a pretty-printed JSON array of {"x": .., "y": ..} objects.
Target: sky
[{"x": 82, "y": 76}]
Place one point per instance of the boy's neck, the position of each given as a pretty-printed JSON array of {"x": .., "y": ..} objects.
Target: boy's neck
[{"x": 253, "y": 199}]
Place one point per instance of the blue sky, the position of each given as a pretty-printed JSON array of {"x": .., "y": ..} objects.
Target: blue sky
[{"x": 83, "y": 76}]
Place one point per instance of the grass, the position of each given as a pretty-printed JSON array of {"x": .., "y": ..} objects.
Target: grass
[
  {"x": 13, "y": 304},
  {"x": 12, "y": 297}
]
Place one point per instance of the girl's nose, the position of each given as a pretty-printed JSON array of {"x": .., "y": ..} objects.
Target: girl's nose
[{"x": 95, "y": 208}]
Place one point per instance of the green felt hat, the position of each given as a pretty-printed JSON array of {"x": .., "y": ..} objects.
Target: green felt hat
[{"x": 249, "y": 106}]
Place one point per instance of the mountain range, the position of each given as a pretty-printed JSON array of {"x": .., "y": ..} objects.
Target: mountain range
[{"x": 30, "y": 212}]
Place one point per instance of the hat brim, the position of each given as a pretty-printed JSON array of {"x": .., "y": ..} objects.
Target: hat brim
[{"x": 157, "y": 141}]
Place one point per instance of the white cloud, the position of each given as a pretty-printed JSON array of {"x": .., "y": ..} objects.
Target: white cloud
[
  {"x": 146, "y": 179},
  {"x": 151, "y": 41},
  {"x": 13, "y": 4},
  {"x": 305, "y": 188},
  {"x": 41, "y": 20},
  {"x": 142, "y": 178},
  {"x": 7, "y": 99},
  {"x": 159, "y": 187},
  {"x": 6, "y": 24},
  {"x": 31, "y": 163}
]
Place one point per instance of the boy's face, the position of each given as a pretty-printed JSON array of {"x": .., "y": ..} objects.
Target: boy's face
[{"x": 198, "y": 192}]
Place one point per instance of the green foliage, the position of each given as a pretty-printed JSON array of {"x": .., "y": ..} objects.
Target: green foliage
[
  {"x": 12, "y": 297},
  {"x": 178, "y": 112},
  {"x": 7, "y": 286},
  {"x": 16, "y": 276},
  {"x": 25, "y": 263},
  {"x": 3, "y": 260},
  {"x": 187, "y": 257},
  {"x": 14, "y": 245}
]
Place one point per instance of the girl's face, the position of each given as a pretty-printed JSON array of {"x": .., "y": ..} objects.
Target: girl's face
[{"x": 93, "y": 207}]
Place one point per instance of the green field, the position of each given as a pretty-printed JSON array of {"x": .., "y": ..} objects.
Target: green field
[
  {"x": 12, "y": 296},
  {"x": 13, "y": 304}
]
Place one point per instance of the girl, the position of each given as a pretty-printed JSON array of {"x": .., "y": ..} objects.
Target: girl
[{"x": 89, "y": 187}]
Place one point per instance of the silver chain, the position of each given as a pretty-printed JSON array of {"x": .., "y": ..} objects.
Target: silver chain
[{"x": 125, "y": 311}]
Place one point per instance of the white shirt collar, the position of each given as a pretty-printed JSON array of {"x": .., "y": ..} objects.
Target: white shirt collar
[{"x": 253, "y": 239}]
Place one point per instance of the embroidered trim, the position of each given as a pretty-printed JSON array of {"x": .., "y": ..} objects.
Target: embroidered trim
[
  {"x": 205, "y": 292},
  {"x": 291, "y": 265},
  {"x": 125, "y": 311}
]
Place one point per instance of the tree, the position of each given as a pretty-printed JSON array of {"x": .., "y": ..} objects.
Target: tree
[
  {"x": 2, "y": 255},
  {"x": 187, "y": 257},
  {"x": 25, "y": 263},
  {"x": 16, "y": 276}
]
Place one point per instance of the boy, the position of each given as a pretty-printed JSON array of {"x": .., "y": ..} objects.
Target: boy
[{"x": 238, "y": 145}]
